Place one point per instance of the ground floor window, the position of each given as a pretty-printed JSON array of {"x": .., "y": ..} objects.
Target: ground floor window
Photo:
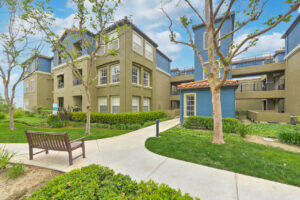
[
  {"x": 190, "y": 104},
  {"x": 102, "y": 102},
  {"x": 146, "y": 104},
  {"x": 135, "y": 104},
  {"x": 115, "y": 104}
]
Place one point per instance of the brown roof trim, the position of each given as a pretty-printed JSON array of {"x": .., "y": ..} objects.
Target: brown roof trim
[
  {"x": 205, "y": 84},
  {"x": 291, "y": 27}
]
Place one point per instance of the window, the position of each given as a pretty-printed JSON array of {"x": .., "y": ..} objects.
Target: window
[
  {"x": 102, "y": 101},
  {"x": 115, "y": 74},
  {"x": 148, "y": 51},
  {"x": 205, "y": 46},
  {"x": 60, "y": 81},
  {"x": 137, "y": 43},
  {"x": 135, "y": 75},
  {"x": 32, "y": 85},
  {"x": 146, "y": 79},
  {"x": 26, "y": 87},
  {"x": 115, "y": 104},
  {"x": 103, "y": 76},
  {"x": 114, "y": 44},
  {"x": 101, "y": 50},
  {"x": 135, "y": 104},
  {"x": 205, "y": 73},
  {"x": 146, "y": 104},
  {"x": 32, "y": 66},
  {"x": 190, "y": 105}
]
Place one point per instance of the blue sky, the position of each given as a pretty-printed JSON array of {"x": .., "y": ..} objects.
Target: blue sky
[{"x": 149, "y": 18}]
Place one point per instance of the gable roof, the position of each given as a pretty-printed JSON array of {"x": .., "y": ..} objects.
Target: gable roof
[
  {"x": 205, "y": 84},
  {"x": 297, "y": 20}
]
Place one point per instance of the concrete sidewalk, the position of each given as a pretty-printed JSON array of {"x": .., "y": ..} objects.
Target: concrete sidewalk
[{"x": 127, "y": 154}]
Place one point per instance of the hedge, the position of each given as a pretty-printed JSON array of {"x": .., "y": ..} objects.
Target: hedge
[
  {"x": 290, "y": 137},
  {"x": 97, "y": 182},
  {"x": 230, "y": 125},
  {"x": 120, "y": 118}
]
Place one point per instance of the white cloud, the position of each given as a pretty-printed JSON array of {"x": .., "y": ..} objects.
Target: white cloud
[{"x": 267, "y": 44}]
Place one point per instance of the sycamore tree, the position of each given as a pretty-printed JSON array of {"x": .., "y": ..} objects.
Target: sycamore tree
[
  {"x": 16, "y": 44},
  {"x": 217, "y": 59},
  {"x": 90, "y": 15}
]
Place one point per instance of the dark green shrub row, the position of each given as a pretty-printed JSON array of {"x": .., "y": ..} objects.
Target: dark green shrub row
[
  {"x": 97, "y": 182},
  {"x": 2, "y": 115},
  {"x": 290, "y": 137},
  {"x": 230, "y": 125},
  {"x": 121, "y": 118}
]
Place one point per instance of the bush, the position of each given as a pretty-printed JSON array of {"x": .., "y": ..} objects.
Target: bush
[
  {"x": 57, "y": 123},
  {"x": 15, "y": 171},
  {"x": 78, "y": 124},
  {"x": 5, "y": 156},
  {"x": 97, "y": 182},
  {"x": 290, "y": 137},
  {"x": 230, "y": 125},
  {"x": 241, "y": 112},
  {"x": 242, "y": 130},
  {"x": 134, "y": 126},
  {"x": 98, "y": 125},
  {"x": 2, "y": 115},
  {"x": 19, "y": 113},
  {"x": 121, "y": 118}
]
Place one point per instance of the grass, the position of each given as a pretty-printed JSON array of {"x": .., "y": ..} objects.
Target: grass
[
  {"x": 270, "y": 130},
  {"x": 36, "y": 120},
  {"x": 15, "y": 171},
  {"x": 18, "y": 135},
  {"x": 236, "y": 155}
]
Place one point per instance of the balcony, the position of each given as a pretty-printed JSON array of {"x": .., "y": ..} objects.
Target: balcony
[
  {"x": 77, "y": 82},
  {"x": 60, "y": 85},
  {"x": 175, "y": 92}
]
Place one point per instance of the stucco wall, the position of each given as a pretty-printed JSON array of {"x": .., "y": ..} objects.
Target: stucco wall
[
  {"x": 204, "y": 103},
  {"x": 253, "y": 104},
  {"x": 292, "y": 39},
  {"x": 162, "y": 91},
  {"x": 162, "y": 62},
  {"x": 44, "y": 65}
]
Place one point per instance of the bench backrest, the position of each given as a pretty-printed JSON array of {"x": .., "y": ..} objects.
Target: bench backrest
[{"x": 51, "y": 141}]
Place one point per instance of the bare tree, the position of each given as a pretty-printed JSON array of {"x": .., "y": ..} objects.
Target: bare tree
[
  {"x": 15, "y": 44},
  {"x": 253, "y": 12},
  {"x": 98, "y": 18}
]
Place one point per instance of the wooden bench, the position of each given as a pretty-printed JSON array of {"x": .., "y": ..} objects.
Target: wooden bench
[{"x": 54, "y": 141}]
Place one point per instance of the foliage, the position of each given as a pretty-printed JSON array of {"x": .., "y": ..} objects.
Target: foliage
[
  {"x": 126, "y": 126},
  {"x": 78, "y": 124},
  {"x": 120, "y": 118},
  {"x": 2, "y": 115},
  {"x": 15, "y": 171},
  {"x": 236, "y": 155},
  {"x": 290, "y": 137},
  {"x": 35, "y": 120},
  {"x": 19, "y": 113},
  {"x": 242, "y": 130},
  {"x": 3, "y": 105},
  {"x": 97, "y": 182},
  {"x": 18, "y": 135},
  {"x": 57, "y": 123},
  {"x": 98, "y": 125},
  {"x": 241, "y": 112},
  {"x": 230, "y": 125},
  {"x": 5, "y": 156},
  {"x": 270, "y": 130}
]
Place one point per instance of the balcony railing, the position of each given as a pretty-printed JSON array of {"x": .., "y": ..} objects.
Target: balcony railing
[
  {"x": 77, "y": 82},
  {"x": 175, "y": 92},
  {"x": 60, "y": 85},
  {"x": 262, "y": 86}
]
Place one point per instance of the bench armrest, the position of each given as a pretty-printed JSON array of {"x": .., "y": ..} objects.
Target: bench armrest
[{"x": 78, "y": 139}]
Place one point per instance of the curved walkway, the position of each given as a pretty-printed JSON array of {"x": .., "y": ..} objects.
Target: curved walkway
[{"x": 127, "y": 154}]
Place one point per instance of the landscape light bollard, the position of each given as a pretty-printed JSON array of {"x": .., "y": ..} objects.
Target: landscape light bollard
[{"x": 157, "y": 128}]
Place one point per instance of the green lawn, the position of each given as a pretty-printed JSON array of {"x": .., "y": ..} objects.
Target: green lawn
[
  {"x": 18, "y": 135},
  {"x": 236, "y": 155},
  {"x": 270, "y": 130},
  {"x": 35, "y": 120}
]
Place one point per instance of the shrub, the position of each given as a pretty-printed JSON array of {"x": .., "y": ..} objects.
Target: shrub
[
  {"x": 134, "y": 126},
  {"x": 18, "y": 113},
  {"x": 98, "y": 125},
  {"x": 15, "y": 171},
  {"x": 78, "y": 124},
  {"x": 2, "y": 115},
  {"x": 120, "y": 118},
  {"x": 242, "y": 130},
  {"x": 290, "y": 137},
  {"x": 241, "y": 112},
  {"x": 97, "y": 182},
  {"x": 5, "y": 156},
  {"x": 230, "y": 125}
]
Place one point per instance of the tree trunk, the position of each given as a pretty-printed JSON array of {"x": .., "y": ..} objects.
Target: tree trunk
[
  {"x": 88, "y": 113},
  {"x": 11, "y": 117},
  {"x": 218, "y": 128}
]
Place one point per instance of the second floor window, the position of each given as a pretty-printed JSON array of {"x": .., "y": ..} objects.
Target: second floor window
[
  {"x": 103, "y": 76},
  {"x": 102, "y": 104},
  {"x": 101, "y": 50},
  {"x": 205, "y": 45},
  {"x": 26, "y": 87},
  {"x": 115, "y": 74},
  {"x": 137, "y": 43},
  {"x": 60, "y": 81},
  {"x": 146, "y": 79},
  {"x": 114, "y": 44},
  {"x": 135, "y": 75},
  {"x": 32, "y": 85},
  {"x": 149, "y": 51}
]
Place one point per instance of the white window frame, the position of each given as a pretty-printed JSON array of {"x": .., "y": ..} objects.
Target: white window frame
[
  {"x": 99, "y": 53},
  {"x": 32, "y": 85},
  {"x": 146, "y": 55},
  {"x": 102, "y": 101},
  {"x": 185, "y": 103},
  {"x": 148, "y": 83},
  {"x": 205, "y": 40},
  {"x": 204, "y": 76},
  {"x": 115, "y": 35},
  {"x": 112, "y": 74},
  {"x": 137, "y": 75},
  {"x": 146, "y": 103},
  {"x": 26, "y": 86},
  {"x": 135, "y": 102},
  {"x": 113, "y": 103},
  {"x": 134, "y": 43},
  {"x": 100, "y": 75}
]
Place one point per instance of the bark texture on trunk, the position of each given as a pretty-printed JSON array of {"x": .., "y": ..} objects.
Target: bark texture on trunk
[
  {"x": 88, "y": 112},
  {"x": 11, "y": 117},
  {"x": 217, "y": 112}
]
